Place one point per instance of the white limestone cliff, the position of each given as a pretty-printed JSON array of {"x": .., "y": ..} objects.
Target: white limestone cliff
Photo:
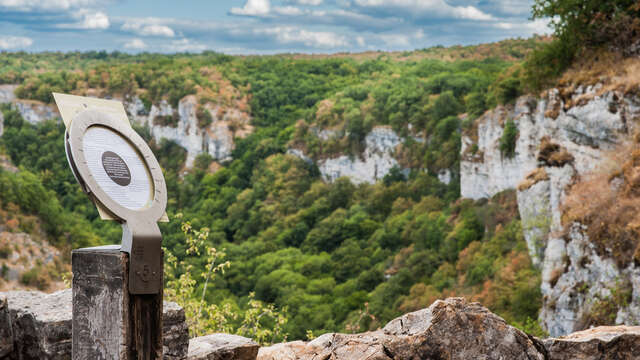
[
  {"x": 581, "y": 135},
  {"x": 216, "y": 138},
  {"x": 376, "y": 161}
]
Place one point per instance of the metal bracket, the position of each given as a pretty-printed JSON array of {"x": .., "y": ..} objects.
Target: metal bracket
[{"x": 142, "y": 241}]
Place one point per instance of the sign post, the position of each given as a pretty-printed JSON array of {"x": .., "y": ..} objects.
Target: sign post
[{"x": 117, "y": 290}]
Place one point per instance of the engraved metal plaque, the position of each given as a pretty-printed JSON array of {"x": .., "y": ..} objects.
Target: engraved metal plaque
[{"x": 116, "y": 168}]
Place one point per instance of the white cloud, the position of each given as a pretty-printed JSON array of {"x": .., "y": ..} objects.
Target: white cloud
[
  {"x": 425, "y": 8},
  {"x": 470, "y": 13},
  {"x": 538, "y": 26},
  {"x": 253, "y": 8},
  {"x": 316, "y": 39},
  {"x": 14, "y": 42},
  {"x": 288, "y": 11},
  {"x": 184, "y": 45},
  {"x": 135, "y": 44},
  {"x": 94, "y": 20},
  {"x": 148, "y": 27},
  {"x": 309, "y": 2},
  {"x": 47, "y": 5},
  {"x": 360, "y": 41},
  {"x": 88, "y": 19}
]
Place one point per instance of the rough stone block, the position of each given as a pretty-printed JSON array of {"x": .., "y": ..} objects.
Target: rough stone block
[
  {"x": 600, "y": 343},
  {"x": 222, "y": 347},
  {"x": 6, "y": 332}
]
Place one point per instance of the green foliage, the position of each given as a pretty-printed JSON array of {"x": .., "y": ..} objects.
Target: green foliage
[
  {"x": 305, "y": 255},
  {"x": 508, "y": 139},
  {"x": 259, "y": 321},
  {"x": 35, "y": 277},
  {"x": 579, "y": 25},
  {"x": 604, "y": 309}
]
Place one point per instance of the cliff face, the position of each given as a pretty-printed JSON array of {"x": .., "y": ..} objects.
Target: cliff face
[
  {"x": 185, "y": 125},
  {"x": 559, "y": 142},
  {"x": 188, "y": 131},
  {"x": 376, "y": 161}
]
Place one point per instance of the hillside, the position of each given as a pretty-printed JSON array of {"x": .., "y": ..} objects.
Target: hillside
[
  {"x": 346, "y": 190},
  {"x": 334, "y": 253}
]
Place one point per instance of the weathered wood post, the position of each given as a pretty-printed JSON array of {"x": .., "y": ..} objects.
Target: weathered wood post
[
  {"x": 117, "y": 290},
  {"x": 108, "y": 321}
]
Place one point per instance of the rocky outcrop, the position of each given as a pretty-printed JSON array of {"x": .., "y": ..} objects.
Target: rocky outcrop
[
  {"x": 222, "y": 347},
  {"x": 31, "y": 110},
  {"x": 448, "y": 329},
  {"x": 6, "y": 330},
  {"x": 375, "y": 162},
  {"x": 41, "y": 326},
  {"x": 559, "y": 140},
  {"x": 601, "y": 343},
  {"x": 175, "y": 332},
  {"x": 190, "y": 132},
  {"x": 187, "y": 127},
  {"x": 27, "y": 252}
]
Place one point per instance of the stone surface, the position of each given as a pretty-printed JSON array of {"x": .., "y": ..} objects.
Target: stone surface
[
  {"x": 601, "y": 343},
  {"x": 175, "y": 332},
  {"x": 6, "y": 331},
  {"x": 216, "y": 139},
  {"x": 590, "y": 128},
  {"x": 448, "y": 329},
  {"x": 222, "y": 347},
  {"x": 35, "y": 111},
  {"x": 42, "y": 326},
  {"x": 376, "y": 161}
]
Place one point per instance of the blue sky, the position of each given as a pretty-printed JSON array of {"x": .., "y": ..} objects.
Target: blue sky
[{"x": 259, "y": 26}]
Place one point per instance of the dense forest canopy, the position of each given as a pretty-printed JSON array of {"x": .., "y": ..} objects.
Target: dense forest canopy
[{"x": 337, "y": 256}]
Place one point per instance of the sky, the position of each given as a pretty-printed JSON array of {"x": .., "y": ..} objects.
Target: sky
[{"x": 260, "y": 26}]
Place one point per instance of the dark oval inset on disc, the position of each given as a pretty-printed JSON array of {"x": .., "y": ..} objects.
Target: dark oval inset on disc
[{"x": 116, "y": 168}]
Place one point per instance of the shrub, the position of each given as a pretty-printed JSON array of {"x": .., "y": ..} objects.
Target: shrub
[
  {"x": 5, "y": 251},
  {"x": 36, "y": 277},
  {"x": 508, "y": 139},
  {"x": 204, "y": 117},
  {"x": 579, "y": 25}
]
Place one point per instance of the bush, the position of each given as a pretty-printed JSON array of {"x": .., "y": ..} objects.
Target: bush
[
  {"x": 36, "y": 277},
  {"x": 579, "y": 25},
  {"x": 5, "y": 251},
  {"x": 508, "y": 139}
]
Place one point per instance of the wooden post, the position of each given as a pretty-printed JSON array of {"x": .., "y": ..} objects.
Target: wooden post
[{"x": 108, "y": 322}]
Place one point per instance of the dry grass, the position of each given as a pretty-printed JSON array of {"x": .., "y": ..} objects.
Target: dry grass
[
  {"x": 608, "y": 202},
  {"x": 509, "y": 50},
  {"x": 612, "y": 70},
  {"x": 532, "y": 178},
  {"x": 552, "y": 154}
]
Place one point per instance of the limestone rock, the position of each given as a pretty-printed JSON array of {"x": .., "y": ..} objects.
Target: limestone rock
[
  {"x": 41, "y": 325},
  {"x": 35, "y": 111},
  {"x": 601, "y": 343},
  {"x": 376, "y": 162},
  {"x": 175, "y": 332},
  {"x": 448, "y": 329},
  {"x": 585, "y": 131},
  {"x": 222, "y": 347},
  {"x": 6, "y": 332},
  {"x": 216, "y": 139},
  {"x": 457, "y": 329},
  {"x": 7, "y": 93}
]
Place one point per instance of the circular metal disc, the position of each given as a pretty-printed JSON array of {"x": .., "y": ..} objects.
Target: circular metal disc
[{"x": 117, "y": 167}]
